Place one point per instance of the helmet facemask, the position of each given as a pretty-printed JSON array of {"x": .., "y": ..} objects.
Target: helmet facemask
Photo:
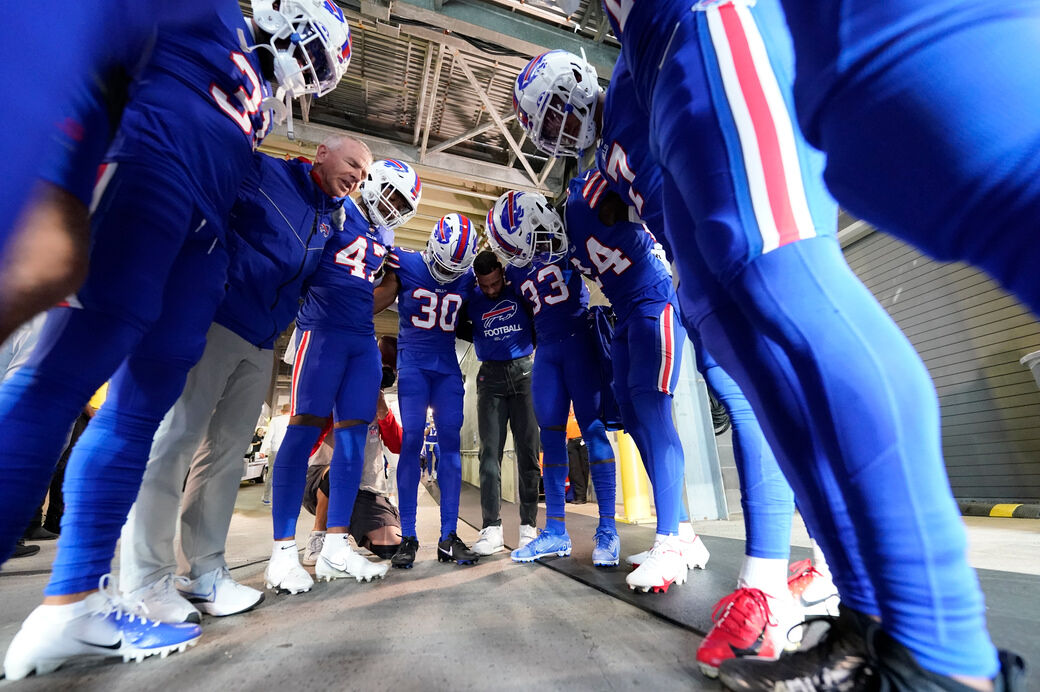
[{"x": 564, "y": 128}]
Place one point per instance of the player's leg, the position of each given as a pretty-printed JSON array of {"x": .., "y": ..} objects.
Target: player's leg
[
  {"x": 214, "y": 477},
  {"x": 81, "y": 346},
  {"x": 582, "y": 383},
  {"x": 551, "y": 406},
  {"x": 108, "y": 462},
  {"x": 104, "y": 473},
  {"x": 413, "y": 395},
  {"x": 446, "y": 396},
  {"x": 147, "y": 558},
  {"x": 355, "y": 407},
  {"x": 492, "y": 417},
  {"x": 849, "y": 355},
  {"x": 317, "y": 371}
]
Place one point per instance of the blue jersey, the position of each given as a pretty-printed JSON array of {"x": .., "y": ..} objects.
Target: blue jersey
[
  {"x": 617, "y": 257},
  {"x": 428, "y": 309},
  {"x": 339, "y": 294},
  {"x": 624, "y": 157},
  {"x": 558, "y": 298},
  {"x": 277, "y": 231},
  {"x": 501, "y": 326},
  {"x": 195, "y": 110}
]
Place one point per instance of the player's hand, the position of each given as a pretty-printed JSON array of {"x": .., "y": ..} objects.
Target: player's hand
[{"x": 381, "y": 408}]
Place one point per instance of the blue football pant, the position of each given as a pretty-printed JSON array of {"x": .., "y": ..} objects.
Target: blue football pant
[
  {"x": 647, "y": 357},
  {"x": 149, "y": 299},
  {"x": 566, "y": 372},
  {"x": 333, "y": 372},
  {"x": 765, "y": 495},
  {"x": 417, "y": 391}
]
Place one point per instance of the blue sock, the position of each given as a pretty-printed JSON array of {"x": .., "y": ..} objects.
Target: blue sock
[
  {"x": 765, "y": 495},
  {"x": 664, "y": 453},
  {"x": 555, "y": 467},
  {"x": 449, "y": 478},
  {"x": 288, "y": 482},
  {"x": 348, "y": 463},
  {"x": 602, "y": 470}
]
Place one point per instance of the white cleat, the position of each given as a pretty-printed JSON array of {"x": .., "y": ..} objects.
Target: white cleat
[
  {"x": 103, "y": 624},
  {"x": 490, "y": 541},
  {"x": 160, "y": 600},
  {"x": 216, "y": 593},
  {"x": 315, "y": 542},
  {"x": 527, "y": 534},
  {"x": 664, "y": 565},
  {"x": 339, "y": 561},
  {"x": 692, "y": 547},
  {"x": 284, "y": 572}
]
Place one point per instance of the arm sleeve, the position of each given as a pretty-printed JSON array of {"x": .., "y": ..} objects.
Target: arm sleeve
[{"x": 390, "y": 431}]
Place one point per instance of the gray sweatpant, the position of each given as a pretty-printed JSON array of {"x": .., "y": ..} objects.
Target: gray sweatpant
[{"x": 203, "y": 437}]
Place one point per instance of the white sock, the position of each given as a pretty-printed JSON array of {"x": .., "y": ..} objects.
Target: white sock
[
  {"x": 284, "y": 550},
  {"x": 65, "y": 611},
  {"x": 766, "y": 574},
  {"x": 686, "y": 532}
]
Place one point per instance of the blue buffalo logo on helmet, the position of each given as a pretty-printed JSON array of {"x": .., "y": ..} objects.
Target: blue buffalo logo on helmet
[{"x": 502, "y": 312}]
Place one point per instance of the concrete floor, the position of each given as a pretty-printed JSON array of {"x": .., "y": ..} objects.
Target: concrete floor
[{"x": 436, "y": 627}]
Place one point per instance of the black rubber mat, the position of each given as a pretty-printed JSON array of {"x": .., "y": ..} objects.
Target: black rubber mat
[{"x": 1012, "y": 600}]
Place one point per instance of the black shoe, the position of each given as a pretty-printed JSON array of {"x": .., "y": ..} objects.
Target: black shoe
[
  {"x": 405, "y": 555},
  {"x": 38, "y": 533},
  {"x": 23, "y": 550},
  {"x": 452, "y": 549},
  {"x": 898, "y": 670},
  {"x": 839, "y": 662}
]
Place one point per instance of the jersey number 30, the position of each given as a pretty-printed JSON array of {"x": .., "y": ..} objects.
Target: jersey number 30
[{"x": 444, "y": 317}]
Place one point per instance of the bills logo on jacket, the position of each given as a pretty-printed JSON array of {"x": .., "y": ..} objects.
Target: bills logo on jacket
[{"x": 324, "y": 229}]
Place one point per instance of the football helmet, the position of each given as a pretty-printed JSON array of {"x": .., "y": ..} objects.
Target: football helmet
[
  {"x": 391, "y": 193},
  {"x": 310, "y": 43},
  {"x": 523, "y": 228},
  {"x": 555, "y": 98},
  {"x": 451, "y": 248}
]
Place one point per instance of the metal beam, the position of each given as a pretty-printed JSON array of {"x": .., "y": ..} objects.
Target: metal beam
[
  {"x": 490, "y": 107},
  {"x": 308, "y": 135},
  {"x": 422, "y": 93},
  {"x": 469, "y": 135},
  {"x": 508, "y": 29},
  {"x": 433, "y": 103}
]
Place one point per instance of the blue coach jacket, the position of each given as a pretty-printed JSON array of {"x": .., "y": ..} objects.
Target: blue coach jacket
[{"x": 278, "y": 229}]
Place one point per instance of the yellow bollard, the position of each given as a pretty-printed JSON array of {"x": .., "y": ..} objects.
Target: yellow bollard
[{"x": 635, "y": 485}]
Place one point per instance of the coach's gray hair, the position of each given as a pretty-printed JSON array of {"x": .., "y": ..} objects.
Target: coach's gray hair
[{"x": 335, "y": 142}]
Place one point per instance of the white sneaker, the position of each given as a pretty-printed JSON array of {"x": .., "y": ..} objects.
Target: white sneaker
[
  {"x": 314, "y": 543},
  {"x": 664, "y": 565},
  {"x": 216, "y": 593},
  {"x": 103, "y": 624},
  {"x": 490, "y": 541},
  {"x": 163, "y": 602},
  {"x": 527, "y": 534},
  {"x": 284, "y": 573},
  {"x": 338, "y": 560},
  {"x": 691, "y": 546}
]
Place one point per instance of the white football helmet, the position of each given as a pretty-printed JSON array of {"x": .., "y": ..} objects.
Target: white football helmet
[
  {"x": 310, "y": 42},
  {"x": 555, "y": 100},
  {"x": 391, "y": 193},
  {"x": 451, "y": 248},
  {"x": 523, "y": 228}
]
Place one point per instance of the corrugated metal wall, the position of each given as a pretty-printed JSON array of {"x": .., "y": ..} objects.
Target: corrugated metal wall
[{"x": 970, "y": 333}]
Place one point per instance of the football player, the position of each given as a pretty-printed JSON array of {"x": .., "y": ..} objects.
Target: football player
[{"x": 429, "y": 286}]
